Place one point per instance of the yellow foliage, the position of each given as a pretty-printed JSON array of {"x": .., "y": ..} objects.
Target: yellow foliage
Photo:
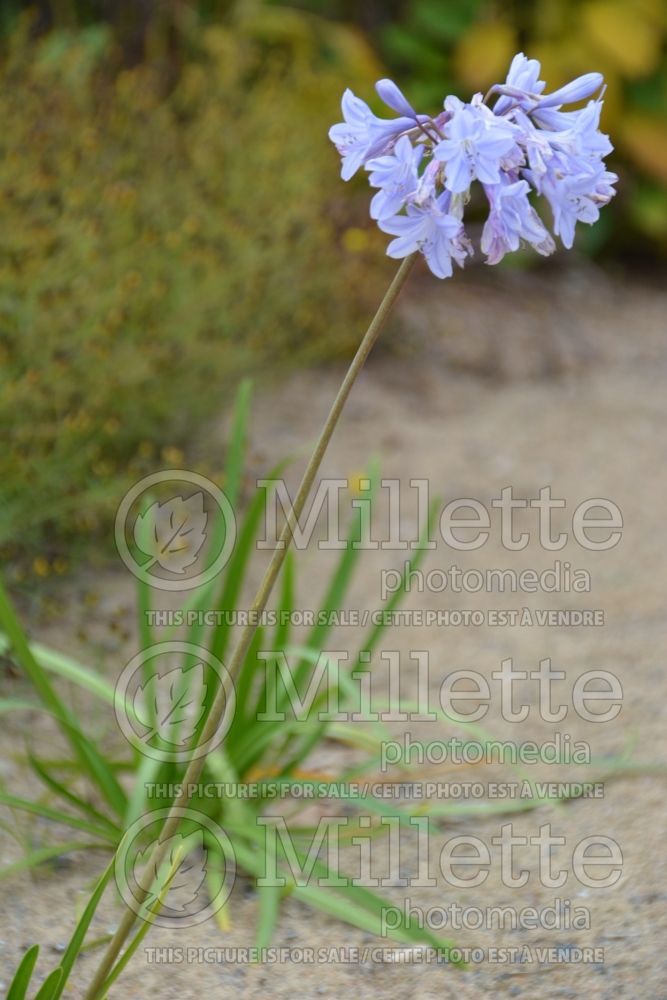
[
  {"x": 562, "y": 61},
  {"x": 645, "y": 138},
  {"x": 154, "y": 248},
  {"x": 355, "y": 240},
  {"x": 484, "y": 53},
  {"x": 624, "y": 34}
]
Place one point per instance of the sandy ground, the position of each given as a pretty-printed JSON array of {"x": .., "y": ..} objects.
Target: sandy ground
[{"x": 487, "y": 382}]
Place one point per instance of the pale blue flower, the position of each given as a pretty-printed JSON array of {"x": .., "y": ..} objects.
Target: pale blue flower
[
  {"x": 523, "y": 77},
  {"x": 537, "y": 143},
  {"x": 433, "y": 231},
  {"x": 523, "y": 89},
  {"x": 397, "y": 177},
  {"x": 575, "y": 197},
  {"x": 578, "y": 131},
  {"x": 475, "y": 143},
  {"x": 512, "y": 219},
  {"x": 363, "y": 135}
]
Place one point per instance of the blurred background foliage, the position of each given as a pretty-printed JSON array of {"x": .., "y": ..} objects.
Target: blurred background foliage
[
  {"x": 172, "y": 214},
  {"x": 158, "y": 240}
]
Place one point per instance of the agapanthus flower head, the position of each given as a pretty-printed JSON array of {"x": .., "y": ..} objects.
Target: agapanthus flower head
[{"x": 520, "y": 144}]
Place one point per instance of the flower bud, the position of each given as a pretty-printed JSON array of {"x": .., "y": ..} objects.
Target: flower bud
[
  {"x": 584, "y": 86},
  {"x": 394, "y": 99}
]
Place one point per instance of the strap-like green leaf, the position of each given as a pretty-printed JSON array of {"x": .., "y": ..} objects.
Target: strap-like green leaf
[
  {"x": 76, "y": 942},
  {"x": 50, "y": 986},
  {"x": 19, "y": 985}
]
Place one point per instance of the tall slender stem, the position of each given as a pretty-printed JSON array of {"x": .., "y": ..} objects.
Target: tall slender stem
[{"x": 195, "y": 767}]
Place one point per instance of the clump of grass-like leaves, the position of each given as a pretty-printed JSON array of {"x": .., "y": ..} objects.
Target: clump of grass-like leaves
[{"x": 255, "y": 749}]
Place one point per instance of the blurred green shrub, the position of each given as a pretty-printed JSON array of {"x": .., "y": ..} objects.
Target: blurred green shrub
[{"x": 153, "y": 248}]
